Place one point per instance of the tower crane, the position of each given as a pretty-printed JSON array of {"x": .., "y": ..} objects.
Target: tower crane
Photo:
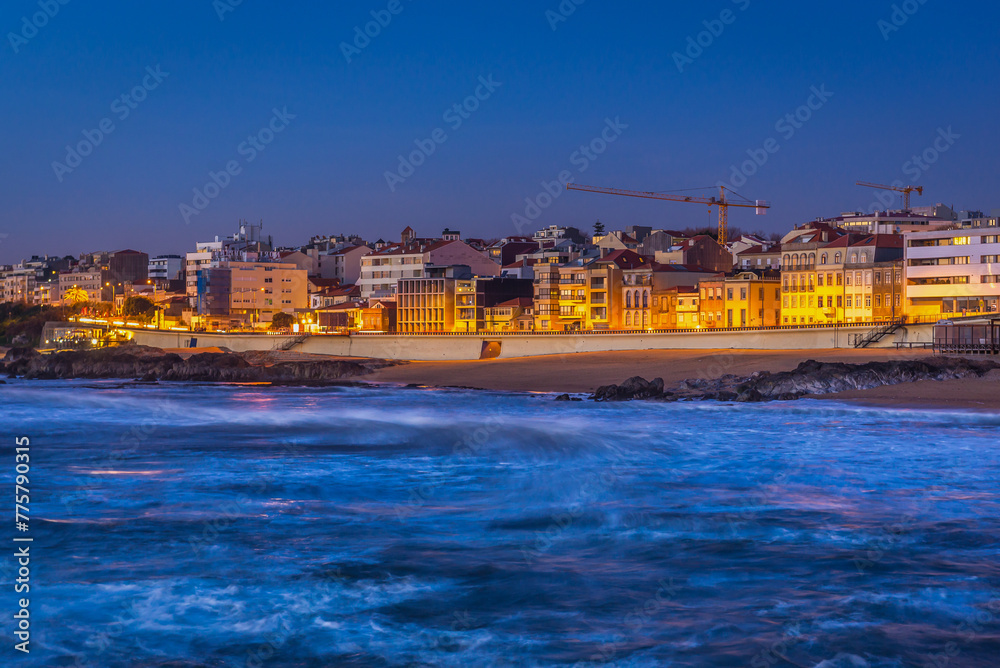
[
  {"x": 721, "y": 201},
  {"x": 906, "y": 190}
]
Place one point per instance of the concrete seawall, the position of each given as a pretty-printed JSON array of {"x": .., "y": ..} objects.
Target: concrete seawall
[{"x": 446, "y": 347}]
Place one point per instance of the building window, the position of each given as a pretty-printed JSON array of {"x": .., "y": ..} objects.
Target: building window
[
  {"x": 819, "y": 280},
  {"x": 840, "y": 301},
  {"x": 836, "y": 257}
]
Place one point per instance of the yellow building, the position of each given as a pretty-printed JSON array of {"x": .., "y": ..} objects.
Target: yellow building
[
  {"x": 852, "y": 280},
  {"x": 752, "y": 300}
]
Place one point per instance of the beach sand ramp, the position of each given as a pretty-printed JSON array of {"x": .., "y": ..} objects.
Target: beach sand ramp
[{"x": 491, "y": 350}]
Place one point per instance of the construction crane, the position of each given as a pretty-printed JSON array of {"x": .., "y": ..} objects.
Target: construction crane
[
  {"x": 721, "y": 201},
  {"x": 906, "y": 190}
]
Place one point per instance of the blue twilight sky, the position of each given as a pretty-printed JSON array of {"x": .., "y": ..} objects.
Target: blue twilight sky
[{"x": 896, "y": 89}]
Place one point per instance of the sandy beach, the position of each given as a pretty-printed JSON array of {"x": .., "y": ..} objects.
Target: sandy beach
[{"x": 585, "y": 372}]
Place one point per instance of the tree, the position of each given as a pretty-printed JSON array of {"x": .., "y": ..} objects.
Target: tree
[
  {"x": 282, "y": 320},
  {"x": 138, "y": 306},
  {"x": 599, "y": 229},
  {"x": 76, "y": 295}
]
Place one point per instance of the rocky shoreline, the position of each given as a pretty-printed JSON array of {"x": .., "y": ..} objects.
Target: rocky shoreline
[
  {"x": 152, "y": 364},
  {"x": 810, "y": 378}
]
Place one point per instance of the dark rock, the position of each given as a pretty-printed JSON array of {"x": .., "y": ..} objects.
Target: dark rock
[
  {"x": 152, "y": 364},
  {"x": 562, "y": 397},
  {"x": 750, "y": 396},
  {"x": 633, "y": 388}
]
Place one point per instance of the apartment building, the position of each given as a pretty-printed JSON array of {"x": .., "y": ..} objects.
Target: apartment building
[
  {"x": 852, "y": 279},
  {"x": 426, "y": 304},
  {"x": 209, "y": 254},
  {"x": 702, "y": 250},
  {"x": 88, "y": 281},
  {"x": 382, "y": 269},
  {"x": 759, "y": 258},
  {"x": 644, "y": 287},
  {"x": 752, "y": 300},
  {"x": 676, "y": 307},
  {"x": 712, "y": 294},
  {"x": 512, "y": 315},
  {"x": 17, "y": 284},
  {"x": 476, "y": 295},
  {"x": 164, "y": 268},
  {"x": 586, "y": 294},
  {"x": 343, "y": 264},
  {"x": 953, "y": 272},
  {"x": 249, "y": 292},
  {"x": 122, "y": 269},
  {"x": 889, "y": 222}
]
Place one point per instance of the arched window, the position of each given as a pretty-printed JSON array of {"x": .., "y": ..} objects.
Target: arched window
[
  {"x": 854, "y": 258},
  {"x": 864, "y": 258},
  {"x": 836, "y": 258},
  {"x": 635, "y": 298},
  {"x": 628, "y": 299},
  {"x": 645, "y": 300},
  {"x": 812, "y": 258},
  {"x": 823, "y": 258},
  {"x": 786, "y": 262},
  {"x": 628, "y": 319},
  {"x": 645, "y": 319}
]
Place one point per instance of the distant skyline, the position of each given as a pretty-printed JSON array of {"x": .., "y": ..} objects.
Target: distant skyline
[{"x": 298, "y": 117}]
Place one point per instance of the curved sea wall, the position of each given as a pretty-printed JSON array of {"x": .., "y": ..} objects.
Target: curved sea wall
[{"x": 458, "y": 347}]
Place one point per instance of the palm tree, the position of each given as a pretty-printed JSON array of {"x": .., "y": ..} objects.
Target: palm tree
[{"x": 76, "y": 295}]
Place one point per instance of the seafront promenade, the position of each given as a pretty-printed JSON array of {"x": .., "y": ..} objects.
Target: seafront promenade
[{"x": 490, "y": 345}]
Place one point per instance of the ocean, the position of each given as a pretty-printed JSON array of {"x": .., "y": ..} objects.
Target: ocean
[{"x": 213, "y": 525}]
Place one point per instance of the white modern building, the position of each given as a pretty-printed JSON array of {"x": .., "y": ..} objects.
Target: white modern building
[
  {"x": 166, "y": 267},
  {"x": 951, "y": 272},
  {"x": 382, "y": 269}
]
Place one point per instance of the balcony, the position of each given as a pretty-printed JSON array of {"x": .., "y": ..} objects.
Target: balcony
[{"x": 572, "y": 281}]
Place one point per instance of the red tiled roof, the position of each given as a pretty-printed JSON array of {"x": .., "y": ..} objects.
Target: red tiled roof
[{"x": 624, "y": 258}]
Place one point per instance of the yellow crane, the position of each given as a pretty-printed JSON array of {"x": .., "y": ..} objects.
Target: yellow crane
[
  {"x": 721, "y": 201},
  {"x": 906, "y": 190}
]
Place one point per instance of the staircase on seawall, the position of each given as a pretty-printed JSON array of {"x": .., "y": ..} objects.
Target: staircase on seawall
[
  {"x": 290, "y": 343},
  {"x": 877, "y": 334}
]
